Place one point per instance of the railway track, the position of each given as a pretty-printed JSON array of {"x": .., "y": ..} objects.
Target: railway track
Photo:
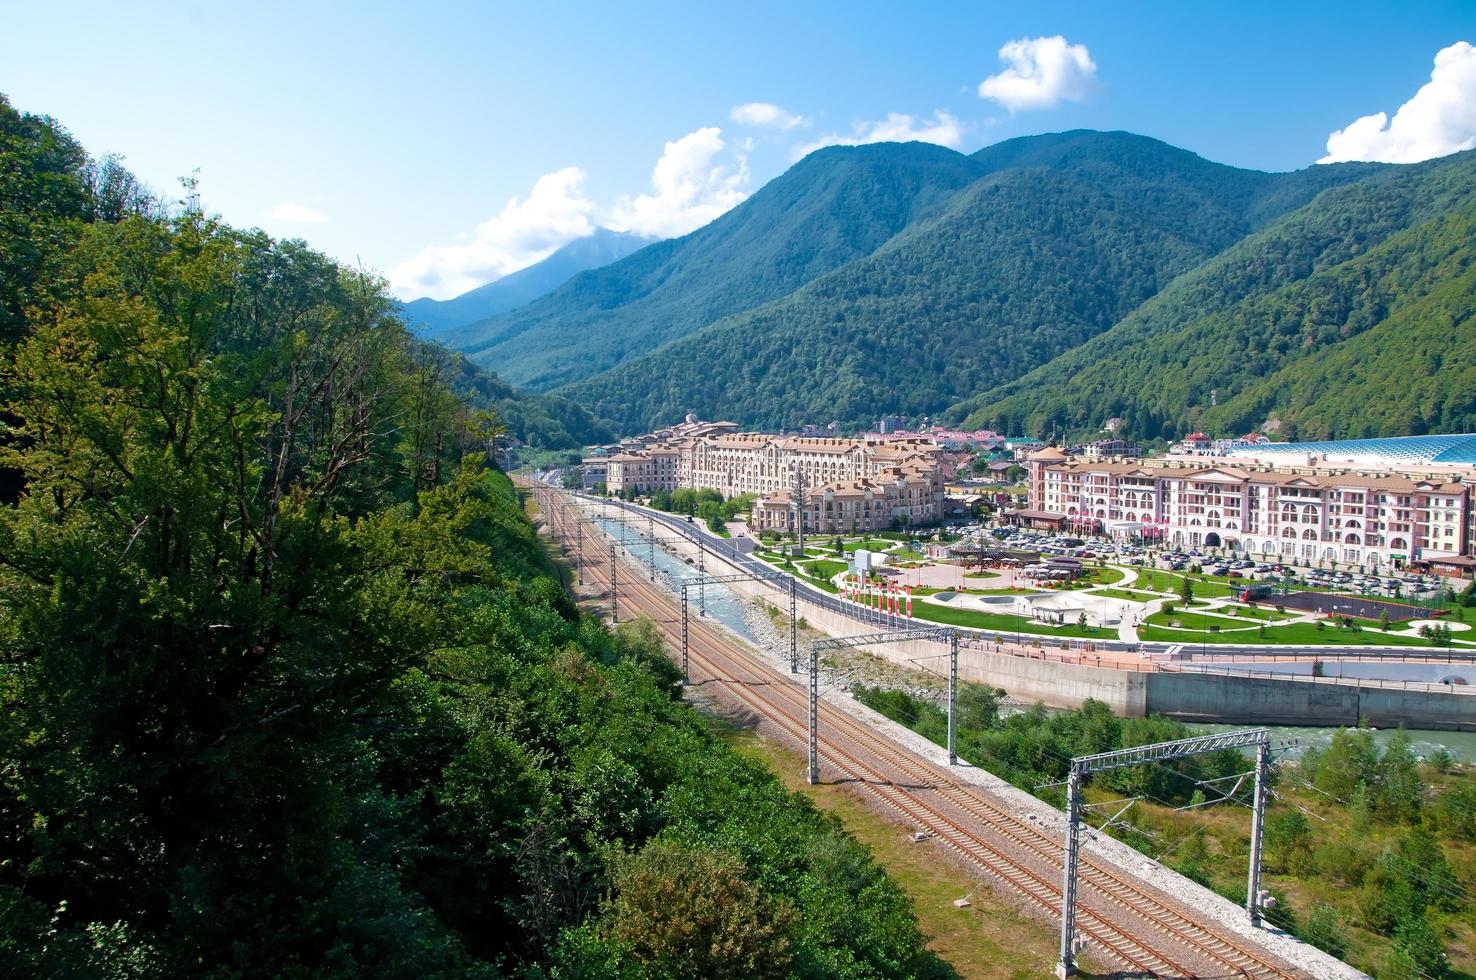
[{"x": 1123, "y": 919}]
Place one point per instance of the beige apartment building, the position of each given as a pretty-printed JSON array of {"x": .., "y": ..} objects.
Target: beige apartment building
[
  {"x": 644, "y": 470},
  {"x": 1310, "y": 505},
  {"x": 847, "y": 483}
]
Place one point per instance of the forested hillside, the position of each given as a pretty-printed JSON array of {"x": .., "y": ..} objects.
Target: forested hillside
[
  {"x": 429, "y": 317},
  {"x": 1349, "y": 317},
  {"x": 836, "y": 205},
  {"x": 287, "y": 687},
  {"x": 539, "y": 420},
  {"x": 1022, "y": 266}
]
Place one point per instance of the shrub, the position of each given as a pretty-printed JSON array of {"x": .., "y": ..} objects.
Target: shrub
[{"x": 1324, "y": 929}]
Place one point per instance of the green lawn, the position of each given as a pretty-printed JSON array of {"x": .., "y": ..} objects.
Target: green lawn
[
  {"x": 1101, "y": 576},
  {"x": 1003, "y": 622},
  {"x": 1172, "y": 582},
  {"x": 1295, "y": 633},
  {"x": 1127, "y": 594},
  {"x": 928, "y": 590},
  {"x": 870, "y": 544},
  {"x": 1256, "y": 612},
  {"x": 824, "y": 567},
  {"x": 1197, "y": 621}
]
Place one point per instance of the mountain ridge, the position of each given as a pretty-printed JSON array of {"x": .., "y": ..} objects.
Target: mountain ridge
[
  {"x": 837, "y": 204},
  {"x": 1339, "y": 251},
  {"x": 430, "y": 317},
  {"x": 1020, "y": 267}
]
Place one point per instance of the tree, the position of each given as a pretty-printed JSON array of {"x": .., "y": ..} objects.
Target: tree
[
  {"x": 690, "y": 913},
  {"x": 1186, "y": 591},
  {"x": 1418, "y": 952},
  {"x": 1398, "y": 782}
]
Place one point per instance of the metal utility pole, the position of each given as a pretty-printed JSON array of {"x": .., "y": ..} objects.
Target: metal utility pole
[
  {"x": 1253, "y": 896},
  {"x": 813, "y": 774},
  {"x": 793, "y": 653},
  {"x": 952, "y": 697},
  {"x": 651, "y": 544},
  {"x": 938, "y": 634},
  {"x": 579, "y": 550},
  {"x": 685, "y": 677},
  {"x": 701, "y": 571},
  {"x": 1082, "y": 766},
  {"x": 1067, "y": 965},
  {"x": 614, "y": 612}
]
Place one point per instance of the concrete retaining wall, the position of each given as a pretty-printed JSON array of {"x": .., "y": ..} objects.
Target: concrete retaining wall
[{"x": 1268, "y": 701}]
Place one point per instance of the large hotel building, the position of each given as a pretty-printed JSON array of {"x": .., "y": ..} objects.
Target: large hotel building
[
  {"x": 1365, "y": 502},
  {"x": 822, "y": 484}
]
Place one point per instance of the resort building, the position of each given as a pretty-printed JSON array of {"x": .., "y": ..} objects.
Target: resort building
[
  {"x": 844, "y": 484},
  {"x": 644, "y": 470},
  {"x": 1368, "y": 502}
]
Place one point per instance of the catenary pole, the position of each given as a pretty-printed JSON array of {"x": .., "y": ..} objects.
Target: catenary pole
[{"x": 952, "y": 697}]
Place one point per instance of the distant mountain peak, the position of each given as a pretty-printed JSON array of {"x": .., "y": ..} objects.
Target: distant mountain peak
[{"x": 431, "y": 318}]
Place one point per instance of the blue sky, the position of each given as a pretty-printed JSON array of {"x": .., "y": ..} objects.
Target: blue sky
[{"x": 398, "y": 134}]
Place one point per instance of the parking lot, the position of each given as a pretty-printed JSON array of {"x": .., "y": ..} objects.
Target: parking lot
[{"x": 1387, "y": 585}]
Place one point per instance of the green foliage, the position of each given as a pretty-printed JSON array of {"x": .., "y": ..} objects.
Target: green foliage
[
  {"x": 1036, "y": 746},
  {"x": 1417, "y": 952},
  {"x": 286, "y": 685},
  {"x": 690, "y": 913},
  {"x": 1324, "y": 929},
  {"x": 1287, "y": 836},
  {"x": 541, "y": 421}
]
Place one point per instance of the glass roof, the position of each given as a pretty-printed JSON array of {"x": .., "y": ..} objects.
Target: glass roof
[{"x": 1450, "y": 449}]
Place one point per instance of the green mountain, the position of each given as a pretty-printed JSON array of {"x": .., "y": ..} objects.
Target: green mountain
[
  {"x": 1063, "y": 236},
  {"x": 430, "y": 317},
  {"x": 541, "y": 420},
  {"x": 1347, "y": 317},
  {"x": 836, "y": 205}
]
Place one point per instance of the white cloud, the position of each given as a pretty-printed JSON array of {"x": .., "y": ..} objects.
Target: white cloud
[
  {"x": 691, "y": 187},
  {"x": 296, "y": 214},
  {"x": 1439, "y": 119},
  {"x": 1040, "y": 73},
  {"x": 765, "y": 115},
  {"x": 525, "y": 231},
  {"x": 898, "y": 127}
]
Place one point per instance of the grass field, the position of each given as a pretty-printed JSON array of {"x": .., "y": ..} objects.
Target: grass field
[
  {"x": 1198, "y": 621},
  {"x": 1004, "y": 622},
  {"x": 1101, "y": 576},
  {"x": 823, "y": 568},
  {"x": 1260, "y": 613},
  {"x": 1172, "y": 582},
  {"x": 1295, "y": 633},
  {"x": 1127, "y": 594},
  {"x": 870, "y": 544}
]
